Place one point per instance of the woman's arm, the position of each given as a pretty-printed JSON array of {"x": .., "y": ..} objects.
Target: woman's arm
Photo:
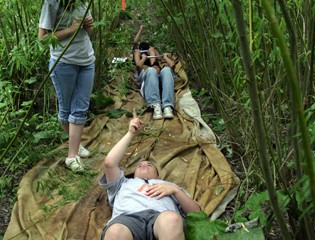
[
  {"x": 139, "y": 59},
  {"x": 61, "y": 34},
  {"x": 169, "y": 60},
  {"x": 137, "y": 37}
]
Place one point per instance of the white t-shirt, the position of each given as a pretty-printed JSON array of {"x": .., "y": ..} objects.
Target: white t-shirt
[{"x": 54, "y": 18}]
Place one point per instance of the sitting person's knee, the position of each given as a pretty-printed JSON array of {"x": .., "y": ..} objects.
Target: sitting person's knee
[
  {"x": 166, "y": 69},
  {"x": 151, "y": 71}
]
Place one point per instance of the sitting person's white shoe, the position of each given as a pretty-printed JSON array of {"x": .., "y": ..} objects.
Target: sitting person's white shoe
[
  {"x": 168, "y": 112},
  {"x": 83, "y": 152},
  {"x": 75, "y": 164},
  {"x": 157, "y": 113}
]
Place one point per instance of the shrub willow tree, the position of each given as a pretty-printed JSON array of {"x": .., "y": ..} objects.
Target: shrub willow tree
[{"x": 256, "y": 59}]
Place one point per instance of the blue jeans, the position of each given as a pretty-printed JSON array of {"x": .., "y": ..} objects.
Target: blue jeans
[
  {"x": 73, "y": 85},
  {"x": 158, "y": 88}
]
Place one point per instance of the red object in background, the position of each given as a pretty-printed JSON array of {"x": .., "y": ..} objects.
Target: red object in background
[{"x": 123, "y": 4}]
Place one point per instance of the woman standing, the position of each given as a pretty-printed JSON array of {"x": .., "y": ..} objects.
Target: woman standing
[{"x": 73, "y": 75}]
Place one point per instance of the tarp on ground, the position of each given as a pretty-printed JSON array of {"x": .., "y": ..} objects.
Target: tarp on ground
[{"x": 54, "y": 203}]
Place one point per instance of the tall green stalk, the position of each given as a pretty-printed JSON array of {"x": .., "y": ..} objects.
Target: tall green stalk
[
  {"x": 5, "y": 37},
  {"x": 309, "y": 70},
  {"x": 257, "y": 115},
  {"x": 296, "y": 92}
]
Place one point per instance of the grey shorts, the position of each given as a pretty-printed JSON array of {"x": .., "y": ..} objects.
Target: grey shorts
[{"x": 140, "y": 224}]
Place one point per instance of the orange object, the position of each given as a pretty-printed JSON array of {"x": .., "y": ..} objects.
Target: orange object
[{"x": 123, "y": 5}]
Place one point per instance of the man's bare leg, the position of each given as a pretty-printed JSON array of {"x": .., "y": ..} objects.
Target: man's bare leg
[
  {"x": 118, "y": 231},
  {"x": 169, "y": 226}
]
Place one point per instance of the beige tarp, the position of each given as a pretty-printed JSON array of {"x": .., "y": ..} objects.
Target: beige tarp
[{"x": 183, "y": 150}]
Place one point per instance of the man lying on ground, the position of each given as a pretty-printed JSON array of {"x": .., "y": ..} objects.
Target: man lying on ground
[{"x": 144, "y": 207}]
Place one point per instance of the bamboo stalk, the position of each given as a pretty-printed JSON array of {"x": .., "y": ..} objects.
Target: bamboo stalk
[
  {"x": 19, "y": 14},
  {"x": 293, "y": 51},
  {"x": 294, "y": 127},
  {"x": 250, "y": 20},
  {"x": 5, "y": 37},
  {"x": 296, "y": 93},
  {"x": 309, "y": 70},
  {"x": 257, "y": 115},
  {"x": 100, "y": 43}
]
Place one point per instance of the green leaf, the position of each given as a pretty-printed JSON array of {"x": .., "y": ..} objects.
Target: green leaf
[
  {"x": 242, "y": 234},
  {"x": 253, "y": 208},
  {"x": 218, "y": 190},
  {"x": 199, "y": 227},
  {"x": 217, "y": 35},
  {"x": 31, "y": 80},
  {"x": 43, "y": 135},
  {"x": 115, "y": 113},
  {"x": 27, "y": 103},
  {"x": 103, "y": 22}
]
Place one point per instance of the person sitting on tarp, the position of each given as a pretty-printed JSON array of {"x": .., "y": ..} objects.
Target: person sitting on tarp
[
  {"x": 156, "y": 83},
  {"x": 144, "y": 207}
]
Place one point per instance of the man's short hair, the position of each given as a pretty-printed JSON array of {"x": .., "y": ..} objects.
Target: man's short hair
[{"x": 132, "y": 174}]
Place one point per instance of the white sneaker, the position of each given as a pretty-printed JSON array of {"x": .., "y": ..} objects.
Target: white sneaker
[
  {"x": 83, "y": 152},
  {"x": 157, "y": 114},
  {"x": 75, "y": 164},
  {"x": 168, "y": 112}
]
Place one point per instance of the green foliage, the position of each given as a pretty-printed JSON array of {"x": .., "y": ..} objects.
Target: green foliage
[
  {"x": 310, "y": 118},
  {"x": 50, "y": 40},
  {"x": 257, "y": 207},
  {"x": 206, "y": 38},
  {"x": 49, "y": 132},
  {"x": 120, "y": 39},
  {"x": 115, "y": 113},
  {"x": 253, "y": 208},
  {"x": 303, "y": 198},
  {"x": 71, "y": 186},
  {"x": 244, "y": 234},
  {"x": 99, "y": 101},
  {"x": 199, "y": 227}
]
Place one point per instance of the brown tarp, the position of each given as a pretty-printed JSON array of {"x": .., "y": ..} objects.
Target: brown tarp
[{"x": 183, "y": 149}]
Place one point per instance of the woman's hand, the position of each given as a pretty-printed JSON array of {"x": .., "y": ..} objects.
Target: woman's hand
[
  {"x": 88, "y": 22},
  {"x": 75, "y": 24},
  {"x": 143, "y": 56},
  {"x": 167, "y": 55}
]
